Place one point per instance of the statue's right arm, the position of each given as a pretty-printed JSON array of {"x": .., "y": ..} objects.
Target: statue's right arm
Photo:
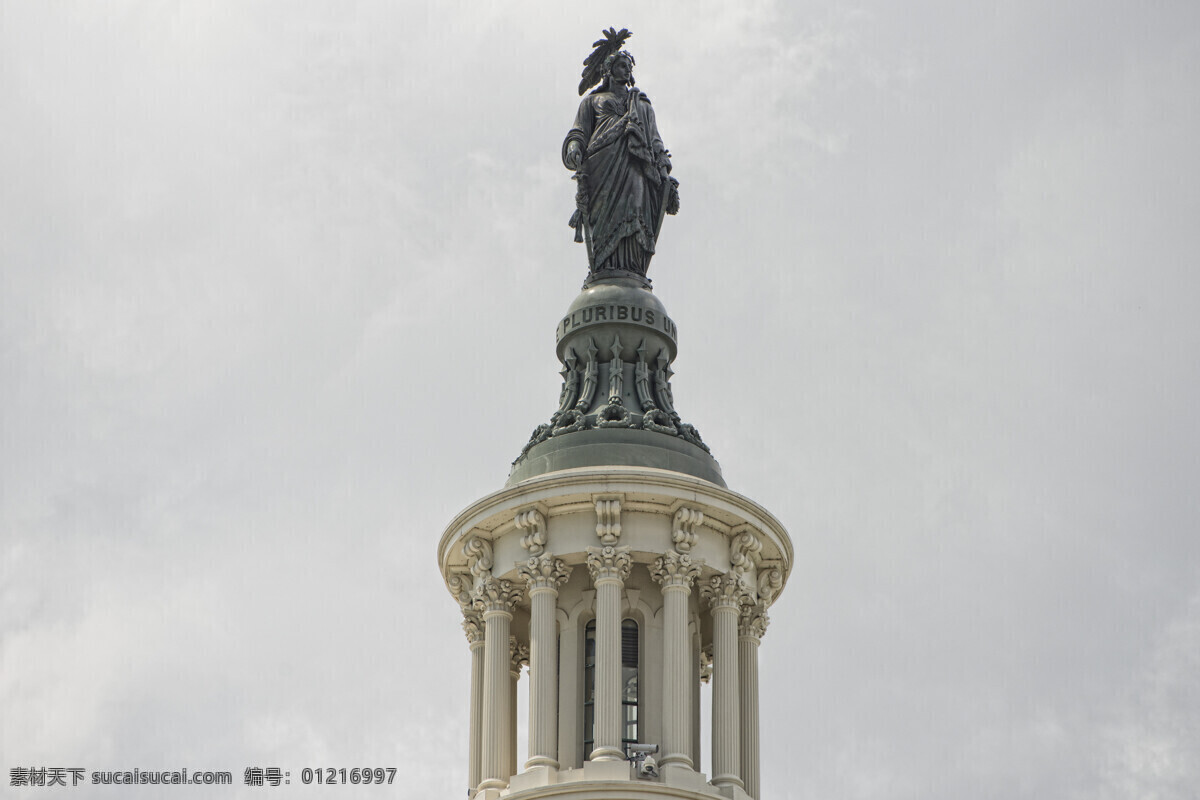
[{"x": 575, "y": 145}]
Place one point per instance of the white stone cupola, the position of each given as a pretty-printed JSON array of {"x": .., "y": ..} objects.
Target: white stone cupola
[{"x": 619, "y": 568}]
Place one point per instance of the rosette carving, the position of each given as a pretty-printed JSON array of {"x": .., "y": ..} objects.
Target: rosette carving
[
  {"x": 676, "y": 569},
  {"x": 609, "y": 563},
  {"x": 544, "y": 572}
]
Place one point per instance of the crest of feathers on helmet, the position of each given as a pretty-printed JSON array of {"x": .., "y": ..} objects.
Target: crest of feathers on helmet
[{"x": 597, "y": 65}]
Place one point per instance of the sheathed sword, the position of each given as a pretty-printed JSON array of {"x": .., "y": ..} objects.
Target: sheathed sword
[{"x": 583, "y": 233}]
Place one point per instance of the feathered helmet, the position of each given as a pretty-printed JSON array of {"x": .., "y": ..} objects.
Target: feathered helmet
[{"x": 598, "y": 65}]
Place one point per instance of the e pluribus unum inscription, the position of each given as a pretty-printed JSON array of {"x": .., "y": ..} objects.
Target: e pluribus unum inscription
[{"x": 617, "y": 312}]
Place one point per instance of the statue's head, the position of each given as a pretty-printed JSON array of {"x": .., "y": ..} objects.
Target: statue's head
[{"x": 619, "y": 66}]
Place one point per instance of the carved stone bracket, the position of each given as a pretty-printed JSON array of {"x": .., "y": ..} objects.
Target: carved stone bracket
[
  {"x": 493, "y": 595},
  {"x": 609, "y": 563},
  {"x": 608, "y": 519},
  {"x": 725, "y": 591},
  {"x": 532, "y": 521},
  {"x": 544, "y": 572},
  {"x": 676, "y": 569},
  {"x": 706, "y": 663},
  {"x": 744, "y": 551},
  {"x": 479, "y": 556},
  {"x": 770, "y": 581},
  {"x": 460, "y": 585},
  {"x": 683, "y": 532}
]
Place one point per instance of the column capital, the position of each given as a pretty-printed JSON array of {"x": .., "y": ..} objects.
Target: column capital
[
  {"x": 493, "y": 596},
  {"x": 752, "y": 623},
  {"x": 609, "y": 563},
  {"x": 544, "y": 572},
  {"x": 683, "y": 529},
  {"x": 676, "y": 570},
  {"x": 472, "y": 626},
  {"x": 534, "y": 524},
  {"x": 725, "y": 592},
  {"x": 518, "y": 654}
]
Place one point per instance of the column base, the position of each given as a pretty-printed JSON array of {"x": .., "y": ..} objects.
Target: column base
[
  {"x": 607, "y": 754},
  {"x": 541, "y": 761},
  {"x": 677, "y": 760},
  {"x": 728, "y": 781},
  {"x": 680, "y": 777},
  {"x": 533, "y": 777},
  {"x": 607, "y": 771}
]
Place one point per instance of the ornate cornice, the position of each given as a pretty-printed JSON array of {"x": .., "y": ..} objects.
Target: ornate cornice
[
  {"x": 683, "y": 532},
  {"x": 725, "y": 591},
  {"x": 544, "y": 572},
  {"x": 532, "y": 521},
  {"x": 609, "y": 563},
  {"x": 492, "y": 595},
  {"x": 608, "y": 519},
  {"x": 676, "y": 569}
]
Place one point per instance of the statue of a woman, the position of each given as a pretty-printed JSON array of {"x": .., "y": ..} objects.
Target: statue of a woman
[{"x": 622, "y": 168}]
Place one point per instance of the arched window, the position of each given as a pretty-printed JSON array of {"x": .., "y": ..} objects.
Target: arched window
[{"x": 629, "y": 684}]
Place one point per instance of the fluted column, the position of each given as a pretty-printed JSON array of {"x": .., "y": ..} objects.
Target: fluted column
[
  {"x": 518, "y": 654},
  {"x": 676, "y": 572},
  {"x": 751, "y": 626},
  {"x": 543, "y": 575},
  {"x": 495, "y": 599},
  {"x": 609, "y": 567},
  {"x": 473, "y": 626},
  {"x": 725, "y": 595}
]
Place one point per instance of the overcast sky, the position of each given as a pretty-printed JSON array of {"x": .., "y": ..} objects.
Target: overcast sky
[{"x": 278, "y": 292}]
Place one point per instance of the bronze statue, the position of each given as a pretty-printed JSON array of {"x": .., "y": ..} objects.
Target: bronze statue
[{"x": 620, "y": 163}]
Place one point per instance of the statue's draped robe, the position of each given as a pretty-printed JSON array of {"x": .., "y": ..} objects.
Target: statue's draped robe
[{"x": 623, "y": 165}]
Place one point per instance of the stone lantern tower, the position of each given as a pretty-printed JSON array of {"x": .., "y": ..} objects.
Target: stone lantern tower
[{"x": 614, "y": 562}]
